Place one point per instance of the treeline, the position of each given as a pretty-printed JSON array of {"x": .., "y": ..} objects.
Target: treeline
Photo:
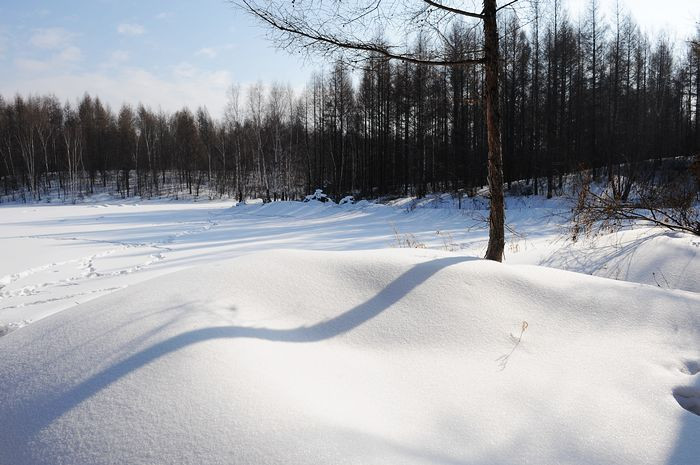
[{"x": 592, "y": 93}]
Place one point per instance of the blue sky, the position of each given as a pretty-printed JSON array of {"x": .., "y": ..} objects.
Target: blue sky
[
  {"x": 169, "y": 54},
  {"x": 163, "y": 53}
]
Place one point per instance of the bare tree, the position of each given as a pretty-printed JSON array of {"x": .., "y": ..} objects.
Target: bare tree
[
  {"x": 275, "y": 112},
  {"x": 256, "y": 111},
  {"x": 349, "y": 29},
  {"x": 403, "y": 127},
  {"x": 146, "y": 124},
  {"x": 72, "y": 139},
  {"x": 233, "y": 119},
  {"x": 6, "y": 143},
  {"x": 27, "y": 113},
  {"x": 695, "y": 57}
]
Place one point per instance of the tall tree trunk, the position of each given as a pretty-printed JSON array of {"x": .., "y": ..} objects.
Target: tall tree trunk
[{"x": 495, "y": 158}]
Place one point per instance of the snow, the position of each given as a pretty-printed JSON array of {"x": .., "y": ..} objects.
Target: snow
[
  {"x": 361, "y": 357},
  {"x": 178, "y": 332},
  {"x": 665, "y": 259},
  {"x": 58, "y": 256},
  {"x": 317, "y": 195},
  {"x": 55, "y": 257}
]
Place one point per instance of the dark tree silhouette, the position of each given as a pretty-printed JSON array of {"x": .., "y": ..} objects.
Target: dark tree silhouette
[
  {"x": 341, "y": 28},
  {"x": 404, "y": 127}
]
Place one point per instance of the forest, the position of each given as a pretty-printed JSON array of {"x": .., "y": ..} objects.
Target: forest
[{"x": 593, "y": 92}]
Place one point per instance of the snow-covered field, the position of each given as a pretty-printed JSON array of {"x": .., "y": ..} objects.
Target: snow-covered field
[
  {"x": 56, "y": 256},
  {"x": 173, "y": 332}
]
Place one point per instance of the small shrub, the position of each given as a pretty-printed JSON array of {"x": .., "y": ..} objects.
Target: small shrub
[
  {"x": 406, "y": 241},
  {"x": 317, "y": 195},
  {"x": 670, "y": 204}
]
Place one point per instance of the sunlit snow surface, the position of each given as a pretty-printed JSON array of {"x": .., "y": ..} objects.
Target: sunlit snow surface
[
  {"x": 56, "y": 256},
  {"x": 425, "y": 355}
]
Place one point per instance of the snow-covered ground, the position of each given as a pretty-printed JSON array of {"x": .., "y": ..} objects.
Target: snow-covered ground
[
  {"x": 56, "y": 256},
  {"x": 213, "y": 342}
]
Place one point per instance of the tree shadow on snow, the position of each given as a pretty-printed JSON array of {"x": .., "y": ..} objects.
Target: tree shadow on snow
[{"x": 55, "y": 407}]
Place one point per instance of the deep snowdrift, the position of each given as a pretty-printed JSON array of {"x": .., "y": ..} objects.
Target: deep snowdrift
[{"x": 398, "y": 356}]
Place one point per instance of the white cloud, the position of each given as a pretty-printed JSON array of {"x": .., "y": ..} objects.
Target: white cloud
[
  {"x": 207, "y": 52},
  {"x": 69, "y": 54},
  {"x": 28, "y": 65},
  {"x": 130, "y": 29},
  {"x": 184, "y": 70},
  {"x": 163, "y": 15},
  {"x": 183, "y": 85},
  {"x": 59, "y": 41},
  {"x": 3, "y": 44},
  {"x": 119, "y": 56},
  {"x": 51, "y": 38},
  {"x": 60, "y": 60}
]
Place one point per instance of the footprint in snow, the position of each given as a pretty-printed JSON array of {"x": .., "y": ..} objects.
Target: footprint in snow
[
  {"x": 691, "y": 367},
  {"x": 688, "y": 397}
]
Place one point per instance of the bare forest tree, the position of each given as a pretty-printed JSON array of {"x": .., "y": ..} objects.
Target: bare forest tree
[
  {"x": 393, "y": 127},
  {"x": 350, "y": 30}
]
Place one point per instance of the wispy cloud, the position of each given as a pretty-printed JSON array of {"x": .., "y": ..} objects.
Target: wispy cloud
[
  {"x": 119, "y": 56},
  {"x": 184, "y": 70},
  {"x": 207, "y": 52},
  {"x": 58, "y": 61},
  {"x": 51, "y": 38},
  {"x": 3, "y": 43},
  {"x": 130, "y": 29},
  {"x": 69, "y": 54},
  {"x": 59, "y": 42},
  {"x": 28, "y": 65},
  {"x": 182, "y": 85}
]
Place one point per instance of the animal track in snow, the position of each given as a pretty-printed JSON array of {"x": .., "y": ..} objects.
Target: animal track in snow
[
  {"x": 39, "y": 285},
  {"x": 63, "y": 297},
  {"x": 11, "y": 278},
  {"x": 688, "y": 397},
  {"x": 12, "y": 326},
  {"x": 691, "y": 367},
  {"x": 85, "y": 263}
]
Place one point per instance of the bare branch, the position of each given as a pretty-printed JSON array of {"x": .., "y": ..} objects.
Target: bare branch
[
  {"x": 506, "y": 5},
  {"x": 454, "y": 10},
  {"x": 317, "y": 38}
]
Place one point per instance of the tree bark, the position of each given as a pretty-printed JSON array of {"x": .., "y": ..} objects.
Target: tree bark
[{"x": 493, "y": 121}]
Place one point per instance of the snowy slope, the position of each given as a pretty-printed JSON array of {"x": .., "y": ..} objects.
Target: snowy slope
[
  {"x": 57, "y": 256},
  {"x": 362, "y": 357}
]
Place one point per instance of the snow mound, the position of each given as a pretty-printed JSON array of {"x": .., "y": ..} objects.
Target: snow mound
[
  {"x": 364, "y": 357},
  {"x": 654, "y": 256}
]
